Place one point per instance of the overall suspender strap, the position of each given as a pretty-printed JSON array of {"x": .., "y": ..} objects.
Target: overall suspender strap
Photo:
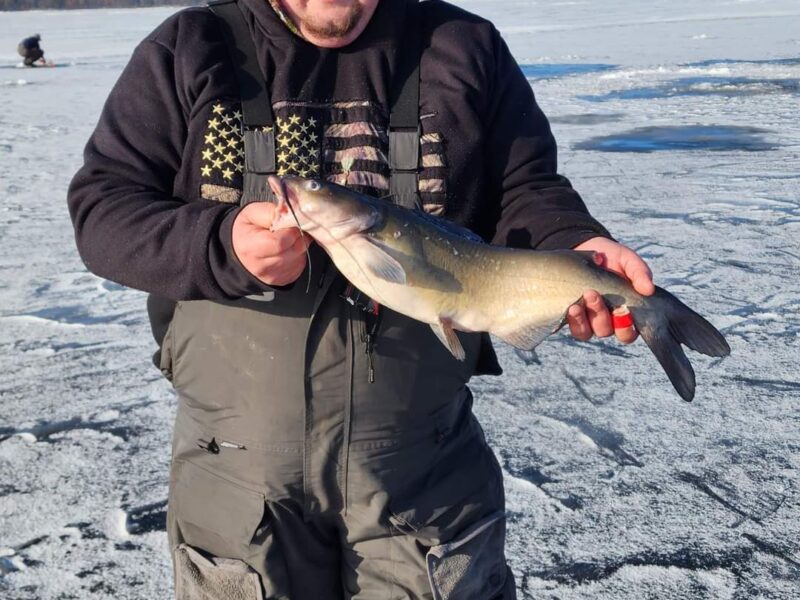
[
  {"x": 258, "y": 121},
  {"x": 404, "y": 128}
]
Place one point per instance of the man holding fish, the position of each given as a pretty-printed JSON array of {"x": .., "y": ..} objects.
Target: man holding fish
[{"x": 324, "y": 442}]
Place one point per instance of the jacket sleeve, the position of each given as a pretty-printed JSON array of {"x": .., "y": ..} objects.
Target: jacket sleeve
[
  {"x": 129, "y": 227},
  {"x": 538, "y": 208}
]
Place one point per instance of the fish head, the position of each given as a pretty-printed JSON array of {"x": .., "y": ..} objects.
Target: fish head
[{"x": 328, "y": 212}]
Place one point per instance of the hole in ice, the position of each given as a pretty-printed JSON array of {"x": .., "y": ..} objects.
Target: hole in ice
[
  {"x": 556, "y": 70},
  {"x": 703, "y": 86},
  {"x": 691, "y": 137}
]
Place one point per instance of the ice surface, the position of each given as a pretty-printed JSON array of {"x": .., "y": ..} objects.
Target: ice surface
[{"x": 616, "y": 488}]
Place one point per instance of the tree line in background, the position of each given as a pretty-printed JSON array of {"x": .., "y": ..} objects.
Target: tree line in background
[{"x": 58, "y": 4}]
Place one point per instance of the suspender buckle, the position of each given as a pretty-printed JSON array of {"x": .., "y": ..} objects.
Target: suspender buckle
[{"x": 404, "y": 164}]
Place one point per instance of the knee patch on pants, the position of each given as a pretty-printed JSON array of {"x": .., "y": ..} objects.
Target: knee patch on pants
[
  {"x": 198, "y": 575},
  {"x": 472, "y": 565},
  {"x": 220, "y": 531}
]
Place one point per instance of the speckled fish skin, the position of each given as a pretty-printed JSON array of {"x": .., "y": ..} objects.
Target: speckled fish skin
[{"x": 440, "y": 274}]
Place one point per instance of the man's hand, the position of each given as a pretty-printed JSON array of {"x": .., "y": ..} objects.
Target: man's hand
[
  {"x": 275, "y": 257},
  {"x": 593, "y": 317}
]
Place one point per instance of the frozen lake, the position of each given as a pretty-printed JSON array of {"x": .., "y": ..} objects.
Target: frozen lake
[{"x": 677, "y": 121}]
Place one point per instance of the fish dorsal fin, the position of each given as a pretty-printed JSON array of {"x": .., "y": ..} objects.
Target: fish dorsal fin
[
  {"x": 448, "y": 226},
  {"x": 447, "y": 335},
  {"x": 378, "y": 263},
  {"x": 530, "y": 335}
]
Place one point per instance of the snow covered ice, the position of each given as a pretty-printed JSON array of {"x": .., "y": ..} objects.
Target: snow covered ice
[{"x": 676, "y": 120}]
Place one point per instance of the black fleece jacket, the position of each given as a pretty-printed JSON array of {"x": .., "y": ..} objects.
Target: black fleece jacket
[{"x": 154, "y": 202}]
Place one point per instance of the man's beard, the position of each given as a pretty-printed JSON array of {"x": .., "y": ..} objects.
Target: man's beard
[{"x": 336, "y": 29}]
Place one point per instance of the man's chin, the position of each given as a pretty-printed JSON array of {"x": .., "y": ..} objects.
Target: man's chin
[{"x": 337, "y": 27}]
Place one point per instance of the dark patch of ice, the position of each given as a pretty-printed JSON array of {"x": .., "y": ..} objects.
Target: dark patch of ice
[
  {"x": 555, "y": 70},
  {"x": 8, "y": 489},
  {"x": 75, "y": 315},
  {"x": 44, "y": 430},
  {"x": 587, "y": 118},
  {"x": 700, "y": 484},
  {"x": 112, "y": 287},
  {"x": 6, "y": 566},
  {"x": 772, "y": 549},
  {"x": 734, "y": 61},
  {"x": 520, "y": 467},
  {"x": 703, "y": 86},
  {"x": 96, "y": 570},
  {"x": 147, "y": 518},
  {"x": 689, "y": 137},
  {"x": 528, "y": 357},
  {"x": 102, "y": 586},
  {"x": 87, "y": 530},
  {"x": 773, "y": 385},
  {"x": 579, "y": 384},
  {"x": 126, "y": 545},
  {"x": 534, "y": 475},
  {"x": 30, "y": 543},
  {"x": 694, "y": 559},
  {"x": 609, "y": 441}
]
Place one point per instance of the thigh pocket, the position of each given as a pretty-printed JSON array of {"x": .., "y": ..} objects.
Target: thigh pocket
[
  {"x": 472, "y": 566},
  {"x": 217, "y": 514},
  {"x": 201, "y": 576}
]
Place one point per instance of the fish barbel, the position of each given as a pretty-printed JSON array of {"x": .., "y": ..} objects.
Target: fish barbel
[{"x": 439, "y": 273}]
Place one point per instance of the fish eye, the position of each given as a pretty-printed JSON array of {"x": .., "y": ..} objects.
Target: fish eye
[{"x": 314, "y": 186}]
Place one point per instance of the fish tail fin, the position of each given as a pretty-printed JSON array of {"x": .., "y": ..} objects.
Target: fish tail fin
[{"x": 664, "y": 322}]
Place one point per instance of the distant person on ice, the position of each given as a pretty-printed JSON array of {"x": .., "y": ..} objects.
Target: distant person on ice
[{"x": 30, "y": 51}]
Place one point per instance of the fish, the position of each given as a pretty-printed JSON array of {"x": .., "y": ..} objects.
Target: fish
[{"x": 435, "y": 271}]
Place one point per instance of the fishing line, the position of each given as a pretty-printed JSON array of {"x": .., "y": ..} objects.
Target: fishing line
[{"x": 302, "y": 236}]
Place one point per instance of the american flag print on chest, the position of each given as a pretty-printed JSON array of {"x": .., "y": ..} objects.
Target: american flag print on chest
[{"x": 343, "y": 142}]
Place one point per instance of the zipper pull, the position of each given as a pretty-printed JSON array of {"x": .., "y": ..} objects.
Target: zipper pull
[
  {"x": 371, "y": 367},
  {"x": 369, "y": 344}
]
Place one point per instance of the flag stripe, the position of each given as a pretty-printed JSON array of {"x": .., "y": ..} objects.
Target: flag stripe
[
  {"x": 432, "y": 186},
  {"x": 356, "y": 153},
  {"x": 432, "y": 160},
  {"x": 361, "y": 178},
  {"x": 348, "y": 130}
]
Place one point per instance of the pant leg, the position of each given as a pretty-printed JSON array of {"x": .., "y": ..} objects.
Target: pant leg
[
  {"x": 227, "y": 541},
  {"x": 427, "y": 522},
  {"x": 32, "y": 56}
]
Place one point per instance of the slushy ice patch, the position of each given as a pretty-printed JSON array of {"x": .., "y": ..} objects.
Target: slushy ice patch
[
  {"x": 691, "y": 137},
  {"x": 556, "y": 70},
  {"x": 703, "y": 86}
]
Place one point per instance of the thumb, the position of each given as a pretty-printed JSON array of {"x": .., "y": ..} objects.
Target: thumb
[{"x": 637, "y": 271}]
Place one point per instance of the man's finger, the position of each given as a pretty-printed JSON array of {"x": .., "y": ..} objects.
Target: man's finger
[
  {"x": 637, "y": 271},
  {"x": 260, "y": 214},
  {"x": 578, "y": 323},
  {"x": 267, "y": 243},
  {"x": 298, "y": 249},
  {"x": 597, "y": 313},
  {"x": 642, "y": 281},
  {"x": 623, "y": 325}
]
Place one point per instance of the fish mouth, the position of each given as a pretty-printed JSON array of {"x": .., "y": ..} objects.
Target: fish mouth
[
  {"x": 309, "y": 205},
  {"x": 279, "y": 188},
  {"x": 287, "y": 204}
]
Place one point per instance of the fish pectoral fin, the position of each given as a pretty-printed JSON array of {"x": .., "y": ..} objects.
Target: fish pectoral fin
[
  {"x": 531, "y": 335},
  {"x": 378, "y": 262},
  {"x": 447, "y": 335}
]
